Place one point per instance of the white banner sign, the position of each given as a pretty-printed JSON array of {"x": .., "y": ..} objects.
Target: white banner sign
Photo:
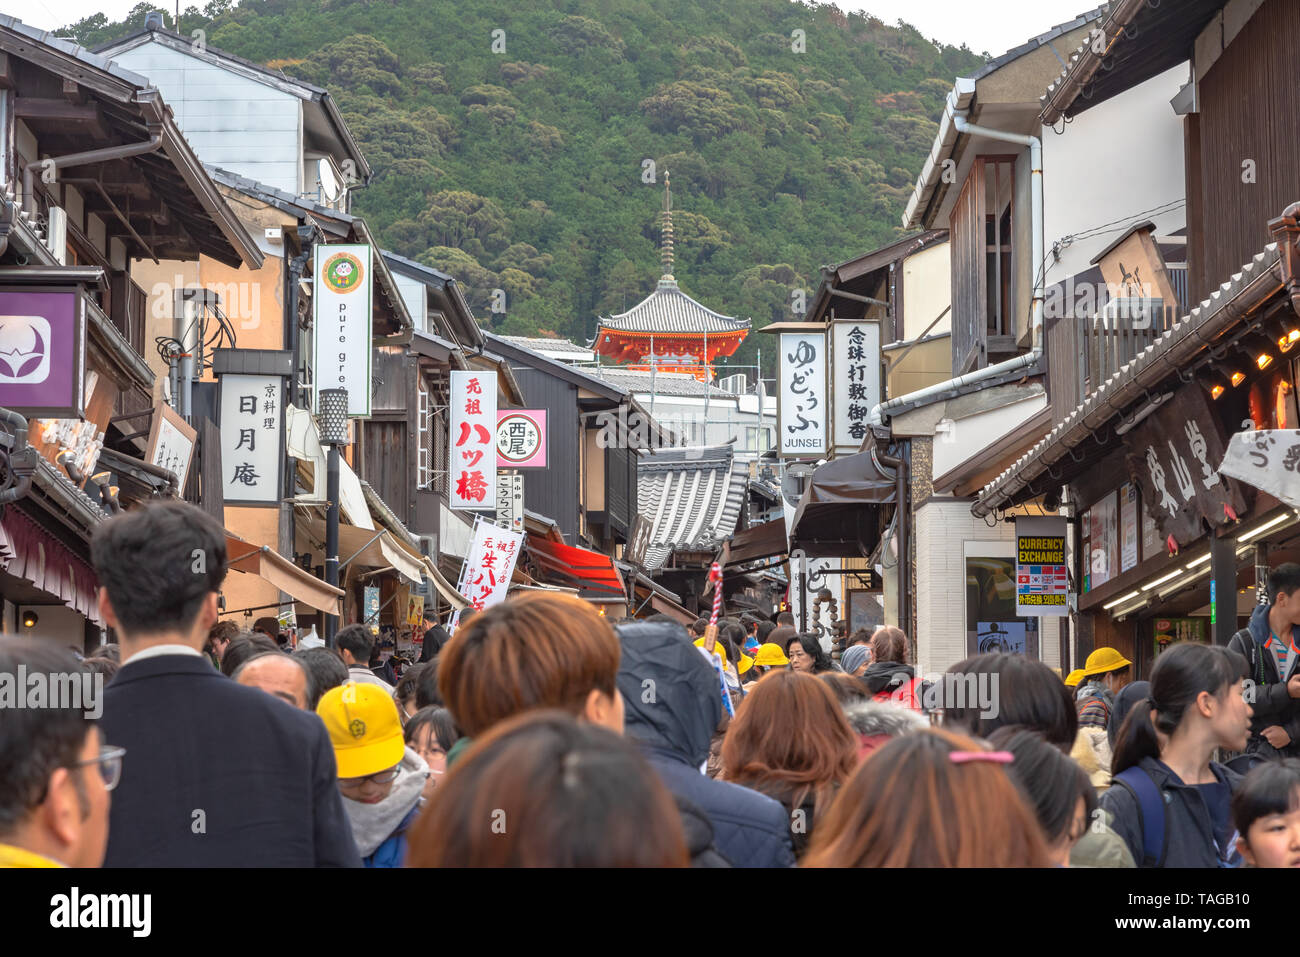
[
  {"x": 342, "y": 333},
  {"x": 802, "y": 400},
  {"x": 1269, "y": 460},
  {"x": 510, "y": 499},
  {"x": 252, "y": 438},
  {"x": 485, "y": 576},
  {"x": 856, "y": 360},
  {"x": 473, "y": 440}
]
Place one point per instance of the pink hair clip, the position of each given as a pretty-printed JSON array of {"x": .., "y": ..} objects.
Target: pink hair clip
[{"x": 997, "y": 757}]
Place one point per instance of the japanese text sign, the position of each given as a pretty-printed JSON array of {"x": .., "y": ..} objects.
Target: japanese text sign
[
  {"x": 1042, "y": 578},
  {"x": 472, "y": 458},
  {"x": 521, "y": 439},
  {"x": 802, "y": 397},
  {"x": 510, "y": 499},
  {"x": 171, "y": 443},
  {"x": 1269, "y": 460},
  {"x": 342, "y": 332},
  {"x": 489, "y": 564},
  {"x": 856, "y": 361},
  {"x": 1172, "y": 455},
  {"x": 252, "y": 438}
]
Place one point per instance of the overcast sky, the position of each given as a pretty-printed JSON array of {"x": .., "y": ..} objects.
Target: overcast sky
[{"x": 995, "y": 27}]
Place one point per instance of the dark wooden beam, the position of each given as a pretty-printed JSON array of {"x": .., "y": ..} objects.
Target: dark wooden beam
[
  {"x": 72, "y": 90},
  {"x": 6, "y": 73},
  {"x": 40, "y": 108}
]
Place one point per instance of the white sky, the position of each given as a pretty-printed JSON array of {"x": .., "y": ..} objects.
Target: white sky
[{"x": 995, "y": 27}]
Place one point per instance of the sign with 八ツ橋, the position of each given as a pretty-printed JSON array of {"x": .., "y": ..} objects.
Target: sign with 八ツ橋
[
  {"x": 1268, "y": 460},
  {"x": 802, "y": 405},
  {"x": 252, "y": 438},
  {"x": 342, "y": 332},
  {"x": 472, "y": 458},
  {"x": 1173, "y": 455},
  {"x": 855, "y": 359},
  {"x": 489, "y": 564}
]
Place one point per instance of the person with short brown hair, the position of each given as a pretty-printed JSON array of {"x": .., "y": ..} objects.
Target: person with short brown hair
[
  {"x": 545, "y": 790},
  {"x": 930, "y": 799},
  {"x": 537, "y": 650},
  {"x": 791, "y": 741}
]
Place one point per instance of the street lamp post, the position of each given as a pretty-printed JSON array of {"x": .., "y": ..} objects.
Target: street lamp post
[{"x": 333, "y": 412}]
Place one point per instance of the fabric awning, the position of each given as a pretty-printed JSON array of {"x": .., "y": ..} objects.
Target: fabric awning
[
  {"x": 30, "y": 552},
  {"x": 588, "y": 571},
  {"x": 270, "y": 565},
  {"x": 839, "y": 513},
  {"x": 303, "y": 443},
  {"x": 454, "y": 533},
  {"x": 444, "y": 587},
  {"x": 369, "y": 548}
]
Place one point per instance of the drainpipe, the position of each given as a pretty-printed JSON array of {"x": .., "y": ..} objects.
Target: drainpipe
[
  {"x": 962, "y": 125},
  {"x": 1286, "y": 231},
  {"x": 899, "y": 465}
]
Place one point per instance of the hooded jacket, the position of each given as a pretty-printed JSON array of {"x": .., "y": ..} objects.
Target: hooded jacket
[
  {"x": 672, "y": 704},
  {"x": 380, "y": 829},
  {"x": 1272, "y": 704},
  {"x": 876, "y": 722},
  {"x": 1189, "y": 839},
  {"x": 892, "y": 681}
]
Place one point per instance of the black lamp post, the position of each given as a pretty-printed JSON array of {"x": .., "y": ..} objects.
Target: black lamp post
[{"x": 333, "y": 420}]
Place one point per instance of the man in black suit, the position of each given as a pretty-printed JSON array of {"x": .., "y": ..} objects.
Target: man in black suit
[{"x": 221, "y": 775}]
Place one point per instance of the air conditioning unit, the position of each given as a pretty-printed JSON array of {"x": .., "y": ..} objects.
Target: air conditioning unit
[
  {"x": 56, "y": 235},
  {"x": 736, "y": 384}
]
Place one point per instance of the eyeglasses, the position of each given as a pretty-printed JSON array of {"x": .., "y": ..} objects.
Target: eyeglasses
[
  {"x": 110, "y": 765},
  {"x": 379, "y": 777}
]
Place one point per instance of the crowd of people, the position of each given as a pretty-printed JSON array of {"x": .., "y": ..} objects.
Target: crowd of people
[{"x": 541, "y": 734}]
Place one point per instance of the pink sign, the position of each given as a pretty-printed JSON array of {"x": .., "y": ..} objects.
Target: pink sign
[
  {"x": 521, "y": 439},
  {"x": 473, "y": 466}
]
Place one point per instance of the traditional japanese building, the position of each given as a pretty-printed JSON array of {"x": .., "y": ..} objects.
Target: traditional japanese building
[{"x": 668, "y": 331}]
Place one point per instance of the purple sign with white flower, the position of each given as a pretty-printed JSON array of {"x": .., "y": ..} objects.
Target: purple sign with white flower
[{"x": 42, "y": 351}]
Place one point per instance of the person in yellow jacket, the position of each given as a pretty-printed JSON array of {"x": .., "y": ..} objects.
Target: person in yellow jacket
[{"x": 55, "y": 774}]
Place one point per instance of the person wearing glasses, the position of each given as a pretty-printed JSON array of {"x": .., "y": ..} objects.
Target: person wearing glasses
[
  {"x": 381, "y": 779},
  {"x": 55, "y": 771}
]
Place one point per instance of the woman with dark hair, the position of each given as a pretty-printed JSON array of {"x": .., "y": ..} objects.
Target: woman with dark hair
[
  {"x": 890, "y": 676},
  {"x": 791, "y": 741},
  {"x": 1266, "y": 811},
  {"x": 1196, "y": 705},
  {"x": 999, "y": 689},
  {"x": 543, "y": 789},
  {"x": 930, "y": 799},
  {"x": 804, "y": 649},
  {"x": 246, "y": 645},
  {"x": 431, "y": 732},
  {"x": 1059, "y": 793}
]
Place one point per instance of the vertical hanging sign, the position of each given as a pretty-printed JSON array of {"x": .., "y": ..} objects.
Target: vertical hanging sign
[
  {"x": 252, "y": 438},
  {"x": 802, "y": 405},
  {"x": 856, "y": 358},
  {"x": 473, "y": 459},
  {"x": 342, "y": 333},
  {"x": 1042, "y": 579}
]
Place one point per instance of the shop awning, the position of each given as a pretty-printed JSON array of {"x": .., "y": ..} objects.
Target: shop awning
[
  {"x": 839, "y": 513},
  {"x": 267, "y": 564},
  {"x": 761, "y": 541},
  {"x": 303, "y": 442},
  {"x": 445, "y": 588},
  {"x": 592, "y": 573},
  {"x": 370, "y": 548},
  {"x": 29, "y": 552}
]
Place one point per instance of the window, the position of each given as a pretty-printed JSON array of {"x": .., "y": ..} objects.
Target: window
[
  {"x": 425, "y": 463},
  {"x": 991, "y": 621}
]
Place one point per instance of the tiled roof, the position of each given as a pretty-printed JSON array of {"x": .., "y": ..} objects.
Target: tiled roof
[
  {"x": 691, "y": 497},
  {"x": 1189, "y": 334},
  {"x": 664, "y": 383},
  {"x": 668, "y": 309},
  {"x": 544, "y": 345}
]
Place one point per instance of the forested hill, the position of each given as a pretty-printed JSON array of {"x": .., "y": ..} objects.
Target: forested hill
[{"x": 509, "y": 140}]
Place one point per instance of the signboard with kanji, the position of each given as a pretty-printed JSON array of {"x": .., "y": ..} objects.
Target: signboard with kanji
[
  {"x": 1269, "y": 460},
  {"x": 252, "y": 438},
  {"x": 1042, "y": 578},
  {"x": 489, "y": 564},
  {"x": 1173, "y": 455},
  {"x": 472, "y": 461},
  {"x": 856, "y": 360},
  {"x": 342, "y": 332},
  {"x": 171, "y": 443},
  {"x": 802, "y": 401},
  {"x": 510, "y": 499},
  {"x": 521, "y": 439}
]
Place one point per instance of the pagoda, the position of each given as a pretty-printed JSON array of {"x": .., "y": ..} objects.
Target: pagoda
[{"x": 668, "y": 331}]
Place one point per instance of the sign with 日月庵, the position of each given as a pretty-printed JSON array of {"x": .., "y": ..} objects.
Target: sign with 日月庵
[
  {"x": 252, "y": 438},
  {"x": 342, "y": 336}
]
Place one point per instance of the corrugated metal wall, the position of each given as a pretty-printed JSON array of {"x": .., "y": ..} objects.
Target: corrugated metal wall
[
  {"x": 554, "y": 492},
  {"x": 1250, "y": 114}
]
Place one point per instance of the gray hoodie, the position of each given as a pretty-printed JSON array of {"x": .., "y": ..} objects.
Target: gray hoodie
[{"x": 372, "y": 824}]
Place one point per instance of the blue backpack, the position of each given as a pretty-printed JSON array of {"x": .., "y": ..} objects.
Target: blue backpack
[{"x": 1151, "y": 813}]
